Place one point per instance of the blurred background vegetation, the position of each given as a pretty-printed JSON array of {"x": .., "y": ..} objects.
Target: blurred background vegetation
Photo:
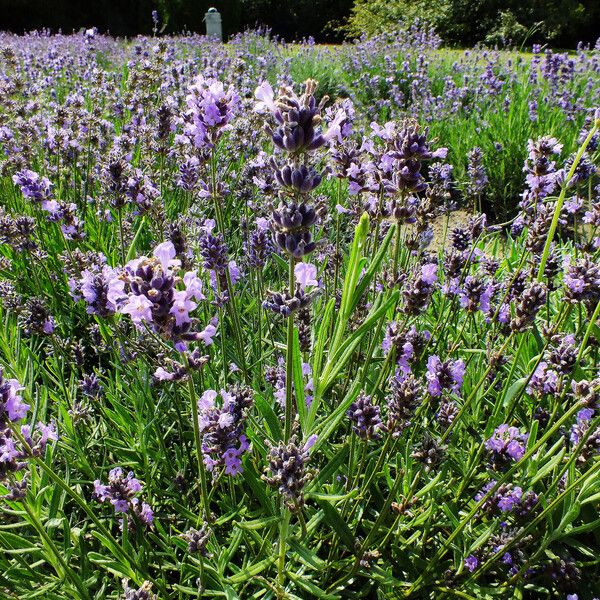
[{"x": 561, "y": 23}]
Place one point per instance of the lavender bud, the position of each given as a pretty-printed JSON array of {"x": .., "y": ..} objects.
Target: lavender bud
[{"x": 365, "y": 417}]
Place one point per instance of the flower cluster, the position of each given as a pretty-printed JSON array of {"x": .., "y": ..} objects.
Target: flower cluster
[
  {"x": 581, "y": 433},
  {"x": 141, "y": 191},
  {"x": 418, "y": 292},
  {"x": 259, "y": 246},
  {"x": 365, "y": 418},
  {"x": 142, "y": 593},
  {"x": 210, "y": 108},
  {"x": 39, "y": 189},
  {"x": 498, "y": 544},
  {"x": 477, "y": 177},
  {"x": 406, "y": 147},
  {"x": 198, "y": 540},
  {"x": 507, "y": 498},
  {"x": 528, "y": 305},
  {"x": 290, "y": 224},
  {"x": 122, "y": 492},
  {"x": 93, "y": 286},
  {"x": 36, "y": 188},
  {"x": 506, "y": 443},
  {"x": 406, "y": 393},
  {"x": 408, "y": 345},
  {"x": 276, "y": 377},
  {"x": 223, "y": 428},
  {"x": 447, "y": 375},
  {"x": 298, "y": 118},
  {"x": 582, "y": 282},
  {"x": 288, "y": 469},
  {"x": 13, "y": 409},
  {"x": 146, "y": 290}
]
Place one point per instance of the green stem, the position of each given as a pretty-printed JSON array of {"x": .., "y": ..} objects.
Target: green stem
[
  {"x": 121, "y": 236},
  {"x": 396, "y": 251},
  {"x": 532, "y": 527},
  {"x": 337, "y": 239},
  {"x": 471, "y": 397},
  {"x": 477, "y": 507},
  {"x": 198, "y": 444},
  {"x": 560, "y": 201},
  {"x": 283, "y": 533},
  {"x": 588, "y": 332},
  {"x": 289, "y": 363}
]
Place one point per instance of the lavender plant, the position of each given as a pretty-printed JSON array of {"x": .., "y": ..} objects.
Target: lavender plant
[{"x": 259, "y": 342}]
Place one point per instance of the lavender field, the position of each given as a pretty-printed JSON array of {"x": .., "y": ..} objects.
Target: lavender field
[{"x": 298, "y": 321}]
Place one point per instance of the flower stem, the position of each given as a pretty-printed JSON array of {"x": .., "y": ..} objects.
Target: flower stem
[
  {"x": 283, "y": 533},
  {"x": 588, "y": 332},
  {"x": 121, "y": 235},
  {"x": 198, "y": 444},
  {"x": 560, "y": 202},
  {"x": 289, "y": 364}
]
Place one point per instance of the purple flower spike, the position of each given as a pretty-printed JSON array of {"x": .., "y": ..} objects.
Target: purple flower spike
[
  {"x": 444, "y": 375},
  {"x": 471, "y": 562},
  {"x": 506, "y": 444},
  {"x": 223, "y": 428}
]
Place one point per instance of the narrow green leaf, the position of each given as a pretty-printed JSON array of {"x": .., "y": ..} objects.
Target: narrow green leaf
[{"x": 334, "y": 520}]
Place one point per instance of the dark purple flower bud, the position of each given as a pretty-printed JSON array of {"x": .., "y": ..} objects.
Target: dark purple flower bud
[
  {"x": 563, "y": 356},
  {"x": 141, "y": 191},
  {"x": 418, "y": 291},
  {"x": 582, "y": 282},
  {"x": 285, "y": 305},
  {"x": 477, "y": 177},
  {"x": 115, "y": 176},
  {"x": 447, "y": 412},
  {"x": 259, "y": 248},
  {"x": 213, "y": 250},
  {"x": 288, "y": 467},
  {"x": 142, "y": 593},
  {"x": 298, "y": 118},
  {"x": 90, "y": 386},
  {"x": 430, "y": 452},
  {"x": 299, "y": 179},
  {"x": 290, "y": 226},
  {"x": 588, "y": 392},
  {"x": 461, "y": 239},
  {"x": 581, "y": 430},
  {"x": 365, "y": 418},
  {"x": 544, "y": 380},
  {"x": 164, "y": 117},
  {"x": 507, "y": 498},
  {"x": 527, "y": 307},
  {"x": 198, "y": 540},
  {"x": 36, "y": 318},
  {"x": 405, "y": 395},
  {"x": 17, "y": 490},
  {"x": 189, "y": 174},
  {"x": 565, "y": 574}
]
